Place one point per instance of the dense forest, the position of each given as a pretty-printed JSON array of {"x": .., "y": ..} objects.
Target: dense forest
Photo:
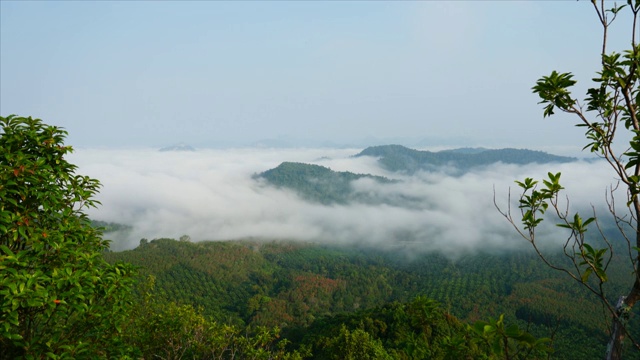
[{"x": 312, "y": 292}]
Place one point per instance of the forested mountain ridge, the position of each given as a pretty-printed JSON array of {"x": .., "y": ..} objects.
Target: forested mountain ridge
[
  {"x": 319, "y": 183},
  {"x": 403, "y": 159},
  {"x": 298, "y": 287}
]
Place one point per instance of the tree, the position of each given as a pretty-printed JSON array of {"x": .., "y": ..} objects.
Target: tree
[
  {"x": 609, "y": 113},
  {"x": 58, "y": 297},
  {"x": 167, "y": 330},
  {"x": 356, "y": 344}
]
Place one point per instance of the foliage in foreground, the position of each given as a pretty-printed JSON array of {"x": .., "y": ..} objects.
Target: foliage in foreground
[
  {"x": 419, "y": 329},
  {"x": 172, "y": 331},
  {"x": 610, "y": 115},
  {"x": 57, "y": 294}
]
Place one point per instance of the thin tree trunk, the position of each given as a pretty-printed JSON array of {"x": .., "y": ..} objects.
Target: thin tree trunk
[
  {"x": 618, "y": 333},
  {"x": 614, "y": 347}
]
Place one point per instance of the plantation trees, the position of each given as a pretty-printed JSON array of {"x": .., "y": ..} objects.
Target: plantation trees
[
  {"x": 610, "y": 115},
  {"x": 58, "y": 297}
]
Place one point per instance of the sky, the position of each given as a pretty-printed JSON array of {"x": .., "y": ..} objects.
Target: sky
[{"x": 305, "y": 74}]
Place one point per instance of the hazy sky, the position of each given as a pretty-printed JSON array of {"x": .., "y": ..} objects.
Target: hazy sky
[{"x": 215, "y": 74}]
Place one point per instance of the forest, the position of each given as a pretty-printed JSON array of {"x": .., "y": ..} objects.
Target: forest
[{"x": 312, "y": 292}]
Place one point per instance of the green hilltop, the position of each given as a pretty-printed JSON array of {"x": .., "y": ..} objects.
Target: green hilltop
[{"x": 320, "y": 184}]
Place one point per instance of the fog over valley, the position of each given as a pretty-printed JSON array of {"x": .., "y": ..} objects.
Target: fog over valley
[
  {"x": 254, "y": 84},
  {"x": 213, "y": 194}
]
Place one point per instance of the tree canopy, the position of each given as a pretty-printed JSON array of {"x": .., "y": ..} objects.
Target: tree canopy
[{"x": 57, "y": 294}]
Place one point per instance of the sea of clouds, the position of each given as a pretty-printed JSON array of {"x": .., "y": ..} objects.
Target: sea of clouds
[{"x": 211, "y": 194}]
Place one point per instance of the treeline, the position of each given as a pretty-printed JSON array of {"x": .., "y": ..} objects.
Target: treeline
[{"x": 297, "y": 287}]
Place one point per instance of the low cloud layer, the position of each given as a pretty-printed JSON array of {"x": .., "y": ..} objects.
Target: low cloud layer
[{"x": 211, "y": 195}]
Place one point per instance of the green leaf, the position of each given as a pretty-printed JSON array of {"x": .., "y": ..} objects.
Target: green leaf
[
  {"x": 7, "y": 251},
  {"x": 585, "y": 275}
]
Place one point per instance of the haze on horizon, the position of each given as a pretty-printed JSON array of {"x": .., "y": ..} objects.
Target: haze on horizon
[{"x": 305, "y": 74}]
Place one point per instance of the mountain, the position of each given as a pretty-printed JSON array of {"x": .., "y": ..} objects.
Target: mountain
[
  {"x": 402, "y": 159},
  {"x": 321, "y": 184},
  {"x": 180, "y": 147}
]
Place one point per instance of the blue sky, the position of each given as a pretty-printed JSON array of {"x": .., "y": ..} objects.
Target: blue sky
[{"x": 216, "y": 74}]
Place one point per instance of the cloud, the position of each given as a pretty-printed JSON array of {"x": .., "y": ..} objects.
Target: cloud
[{"x": 211, "y": 195}]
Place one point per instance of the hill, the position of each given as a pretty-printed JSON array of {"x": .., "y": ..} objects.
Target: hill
[
  {"x": 402, "y": 159},
  {"x": 321, "y": 184}
]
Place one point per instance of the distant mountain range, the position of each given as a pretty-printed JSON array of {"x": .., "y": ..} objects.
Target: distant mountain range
[
  {"x": 323, "y": 185},
  {"x": 402, "y": 159},
  {"x": 179, "y": 147}
]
